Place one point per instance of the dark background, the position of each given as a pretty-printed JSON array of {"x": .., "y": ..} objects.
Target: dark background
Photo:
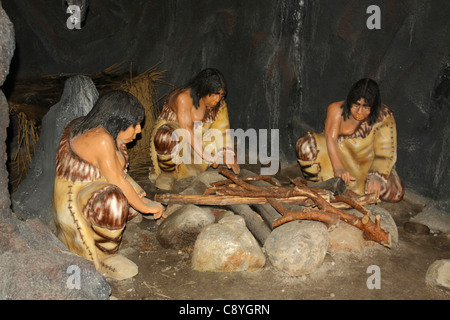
[{"x": 284, "y": 61}]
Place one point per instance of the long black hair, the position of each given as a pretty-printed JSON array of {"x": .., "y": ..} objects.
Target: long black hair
[
  {"x": 368, "y": 89},
  {"x": 115, "y": 111},
  {"x": 206, "y": 82}
]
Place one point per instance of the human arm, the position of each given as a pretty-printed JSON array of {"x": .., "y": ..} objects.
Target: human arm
[
  {"x": 183, "y": 108},
  {"x": 385, "y": 150},
  {"x": 224, "y": 142},
  {"x": 332, "y": 127},
  {"x": 141, "y": 192},
  {"x": 106, "y": 159}
]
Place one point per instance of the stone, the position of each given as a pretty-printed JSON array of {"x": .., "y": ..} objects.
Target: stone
[
  {"x": 7, "y": 44},
  {"x": 438, "y": 274},
  {"x": 196, "y": 187},
  {"x": 209, "y": 176},
  {"x": 7, "y": 47},
  {"x": 347, "y": 238},
  {"x": 35, "y": 265},
  {"x": 33, "y": 198},
  {"x": 298, "y": 247},
  {"x": 227, "y": 246},
  {"x": 436, "y": 216},
  {"x": 416, "y": 228},
  {"x": 180, "y": 229},
  {"x": 387, "y": 222}
]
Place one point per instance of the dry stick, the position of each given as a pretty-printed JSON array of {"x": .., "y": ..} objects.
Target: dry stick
[
  {"x": 354, "y": 204},
  {"x": 258, "y": 191},
  {"x": 351, "y": 202},
  {"x": 360, "y": 200},
  {"x": 224, "y": 171},
  {"x": 331, "y": 218},
  {"x": 303, "y": 200},
  {"x": 216, "y": 200},
  {"x": 304, "y": 214},
  {"x": 255, "y": 178},
  {"x": 277, "y": 192},
  {"x": 372, "y": 231}
]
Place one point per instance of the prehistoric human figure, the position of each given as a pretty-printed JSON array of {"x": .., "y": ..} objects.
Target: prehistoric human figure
[
  {"x": 93, "y": 195},
  {"x": 359, "y": 144},
  {"x": 198, "y": 109}
]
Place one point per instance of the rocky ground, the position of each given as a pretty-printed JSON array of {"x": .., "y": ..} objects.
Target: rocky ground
[{"x": 167, "y": 274}]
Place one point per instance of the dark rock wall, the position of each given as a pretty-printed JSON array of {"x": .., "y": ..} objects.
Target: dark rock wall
[
  {"x": 285, "y": 61},
  {"x": 409, "y": 57},
  {"x": 7, "y": 46}
]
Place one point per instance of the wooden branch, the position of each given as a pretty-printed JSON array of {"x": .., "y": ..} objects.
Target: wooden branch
[
  {"x": 306, "y": 214},
  {"x": 277, "y": 206},
  {"x": 371, "y": 231},
  {"x": 361, "y": 200},
  {"x": 215, "y": 200},
  {"x": 352, "y": 203},
  {"x": 269, "y": 192},
  {"x": 254, "y": 178},
  {"x": 241, "y": 192},
  {"x": 227, "y": 173}
]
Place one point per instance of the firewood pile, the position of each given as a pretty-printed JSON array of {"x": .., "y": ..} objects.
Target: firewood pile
[{"x": 323, "y": 202}]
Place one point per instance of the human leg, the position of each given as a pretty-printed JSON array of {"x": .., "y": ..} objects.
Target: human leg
[{"x": 106, "y": 209}]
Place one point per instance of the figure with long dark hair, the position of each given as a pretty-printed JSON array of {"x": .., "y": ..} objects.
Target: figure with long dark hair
[
  {"x": 196, "y": 109},
  {"x": 93, "y": 196},
  {"x": 359, "y": 145}
]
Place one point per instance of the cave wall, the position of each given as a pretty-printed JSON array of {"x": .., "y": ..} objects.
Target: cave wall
[
  {"x": 409, "y": 57},
  {"x": 284, "y": 61},
  {"x": 7, "y": 46}
]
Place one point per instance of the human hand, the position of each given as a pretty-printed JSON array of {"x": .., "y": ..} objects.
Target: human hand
[
  {"x": 154, "y": 208},
  {"x": 344, "y": 175},
  {"x": 212, "y": 160},
  {"x": 373, "y": 186},
  {"x": 230, "y": 161},
  {"x": 224, "y": 157}
]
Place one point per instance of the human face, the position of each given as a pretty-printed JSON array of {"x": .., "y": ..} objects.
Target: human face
[
  {"x": 213, "y": 99},
  {"x": 129, "y": 134},
  {"x": 360, "y": 110}
]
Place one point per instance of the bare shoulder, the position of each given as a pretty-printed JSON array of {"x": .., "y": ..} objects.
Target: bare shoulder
[
  {"x": 93, "y": 142},
  {"x": 335, "y": 107},
  {"x": 182, "y": 100},
  {"x": 334, "y": 111}
]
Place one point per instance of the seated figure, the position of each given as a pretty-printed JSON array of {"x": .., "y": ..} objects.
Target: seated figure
[
  {"x": 359, "y": 144},
  {"x": 197, "y": 109},
  {"x": 93, "y": 196}
]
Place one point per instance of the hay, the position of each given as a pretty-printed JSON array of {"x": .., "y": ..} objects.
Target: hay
[
  {"x": 142, "y": 87},
  {"x": 26, "y": 142},
  {"x": 30, "y": 100}
]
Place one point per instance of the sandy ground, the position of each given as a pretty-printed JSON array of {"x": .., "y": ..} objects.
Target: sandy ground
[{"x": 166, "y": 274}]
